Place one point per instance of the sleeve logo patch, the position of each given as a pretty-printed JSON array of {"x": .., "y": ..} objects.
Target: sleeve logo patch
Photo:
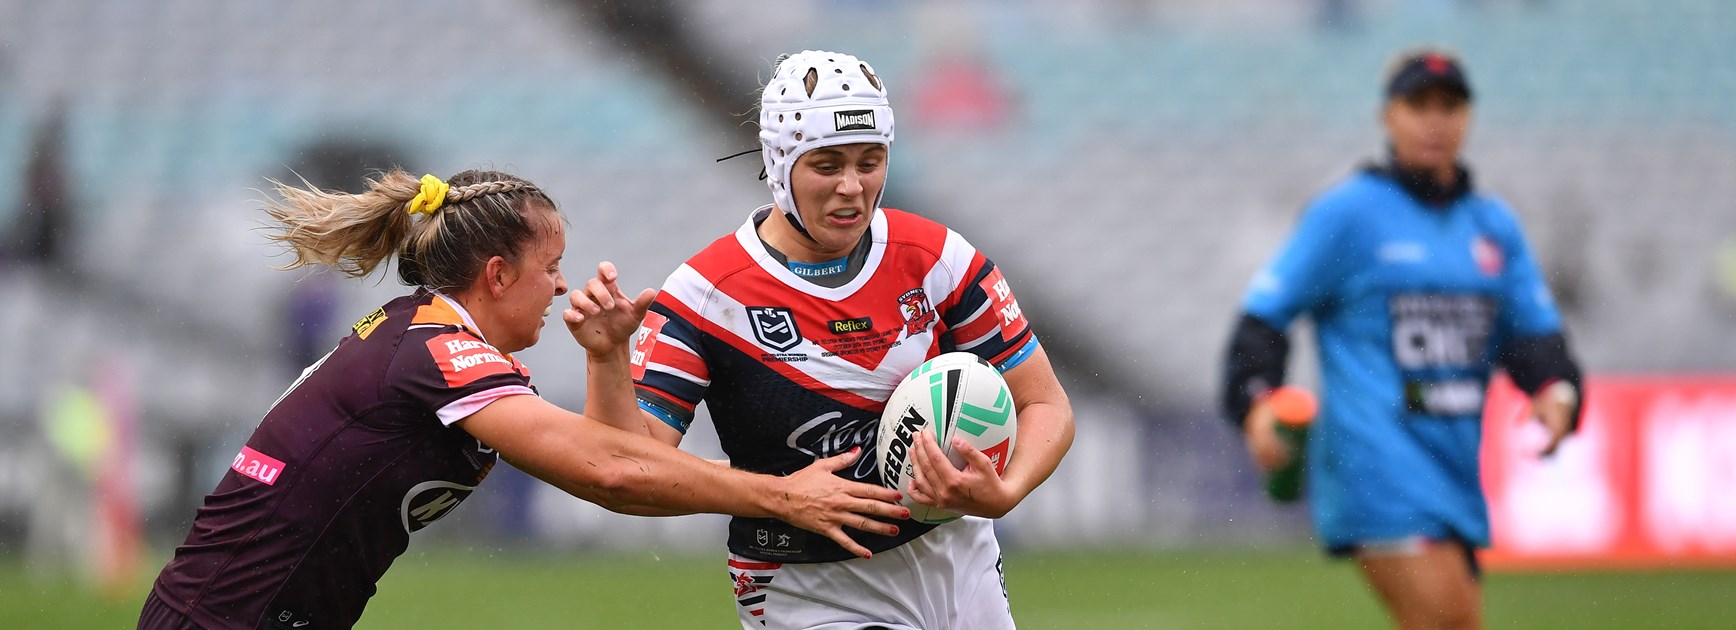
[
  {"x": 644, "y": 341},
  {"x": 257, "y": 466},
  {"x": 1005, "y": 305},
  {"x": 464, "y": 360},
  {"x": 366, "y": 325}
]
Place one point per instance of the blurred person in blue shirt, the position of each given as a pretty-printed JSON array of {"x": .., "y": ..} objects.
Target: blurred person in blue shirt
[{"x": 1418, "y": 285}]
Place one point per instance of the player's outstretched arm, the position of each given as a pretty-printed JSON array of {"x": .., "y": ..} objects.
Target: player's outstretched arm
[
  {"x": 1045, "y": 434},
  {"x": 632, "y": 473},
  {"x": 603, "y": 320}
]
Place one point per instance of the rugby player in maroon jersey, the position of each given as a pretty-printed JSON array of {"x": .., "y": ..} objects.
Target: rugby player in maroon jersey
[{"x": 406, "y": 416}]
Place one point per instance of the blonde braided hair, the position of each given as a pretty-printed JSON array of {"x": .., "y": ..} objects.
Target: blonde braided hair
[{"x": 484, "y": 214}]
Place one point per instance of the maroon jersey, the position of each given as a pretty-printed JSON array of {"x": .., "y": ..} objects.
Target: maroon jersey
[{"x": 359, "y": 453}]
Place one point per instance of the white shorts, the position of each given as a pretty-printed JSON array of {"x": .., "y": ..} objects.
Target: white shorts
[{"x": 948, "y": 578}]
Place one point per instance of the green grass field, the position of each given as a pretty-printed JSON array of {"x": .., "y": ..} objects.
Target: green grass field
[{"x": 1195, "y": 589}]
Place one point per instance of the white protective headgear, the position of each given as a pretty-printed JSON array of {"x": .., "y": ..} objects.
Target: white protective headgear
[{"x": 848, "y": 106}]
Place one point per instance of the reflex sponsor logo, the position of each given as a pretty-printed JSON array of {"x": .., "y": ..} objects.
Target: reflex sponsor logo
[
  {"x": 257, "y": 466},
  {"x": 1006, "y": 306},
  {"x": 847, "y": 326},
  {"x": 464, "y": 359},
  {"x": 644, "y": 341}
]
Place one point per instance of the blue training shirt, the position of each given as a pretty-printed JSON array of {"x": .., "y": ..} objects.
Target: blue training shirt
[{"x": 1410, "y": 304}]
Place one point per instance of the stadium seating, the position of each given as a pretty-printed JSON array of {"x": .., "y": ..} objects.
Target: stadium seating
[{"x": 1153, "y": 157}]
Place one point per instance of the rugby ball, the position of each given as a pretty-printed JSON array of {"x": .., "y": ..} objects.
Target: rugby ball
[{"x": 958, "y": 394}]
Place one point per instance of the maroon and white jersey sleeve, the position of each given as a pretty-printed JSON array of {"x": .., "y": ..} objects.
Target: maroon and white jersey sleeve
[{"x": 455, "y": 373}]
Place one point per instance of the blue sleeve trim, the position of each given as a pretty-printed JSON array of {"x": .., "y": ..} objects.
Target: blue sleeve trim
[
  {"x": 1024, "y": 352},
  {"x": 668, "y": 418}
]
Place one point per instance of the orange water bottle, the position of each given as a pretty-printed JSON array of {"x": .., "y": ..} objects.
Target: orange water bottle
[{"x": 1295, "y": 409}]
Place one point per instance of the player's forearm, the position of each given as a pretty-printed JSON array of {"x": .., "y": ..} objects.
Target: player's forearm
[
  {"x": 609, "y": 395},
  {"x": 645, "y": 510},
  {"x": 644, "y": 477},
  {"x": 1045, "y": 434},
  {"x": 614, "y": 468}
]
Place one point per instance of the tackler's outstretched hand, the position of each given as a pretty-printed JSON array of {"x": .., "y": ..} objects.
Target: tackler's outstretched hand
[
  {"x": 602, "y": 318},
  {"x": 818, "y": 500},
  {"x": 976, "y": 489}
]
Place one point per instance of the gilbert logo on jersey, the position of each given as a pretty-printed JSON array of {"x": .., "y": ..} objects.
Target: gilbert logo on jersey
[{"x": 918, "y": 313}]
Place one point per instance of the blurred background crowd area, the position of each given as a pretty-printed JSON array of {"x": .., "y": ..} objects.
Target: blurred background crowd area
[{"x": 1128, "y": 162}]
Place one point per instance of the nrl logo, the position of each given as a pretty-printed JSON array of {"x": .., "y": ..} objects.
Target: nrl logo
[{"x": 774, "y": 327}]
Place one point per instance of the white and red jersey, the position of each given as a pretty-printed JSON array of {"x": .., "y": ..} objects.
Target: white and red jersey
[{"x": 793, "y": 371}]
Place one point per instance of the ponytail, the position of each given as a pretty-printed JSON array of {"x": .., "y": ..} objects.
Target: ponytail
[{"x": 440, "y": 230}]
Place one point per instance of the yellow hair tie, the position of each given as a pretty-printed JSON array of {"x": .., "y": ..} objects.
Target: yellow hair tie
[{"x": 431, "y": 197}]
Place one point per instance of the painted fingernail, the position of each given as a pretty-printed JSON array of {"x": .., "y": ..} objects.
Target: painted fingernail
[
  {"x": 894, "y": 532},
  {"x": 906, "y": 513}
]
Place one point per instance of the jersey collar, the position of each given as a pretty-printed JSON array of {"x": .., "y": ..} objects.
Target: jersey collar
[
  {"x": 748, "y": 237},
  {"x": 469, "y": 324},
  {"x": 1423, "y": 187}
]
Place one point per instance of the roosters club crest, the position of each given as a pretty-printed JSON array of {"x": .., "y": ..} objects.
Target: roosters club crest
[{"x": 918, "y": 313}]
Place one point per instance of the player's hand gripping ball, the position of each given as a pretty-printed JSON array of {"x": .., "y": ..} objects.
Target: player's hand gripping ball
[{"x": 957, "y": 394}]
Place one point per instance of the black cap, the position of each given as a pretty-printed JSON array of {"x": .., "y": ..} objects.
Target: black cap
[{"x": 1426, "y": 70}]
